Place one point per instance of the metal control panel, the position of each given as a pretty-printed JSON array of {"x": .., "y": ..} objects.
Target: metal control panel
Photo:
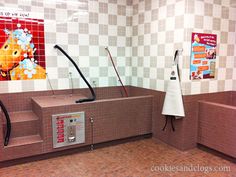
[{"x": 68, "y": 129}]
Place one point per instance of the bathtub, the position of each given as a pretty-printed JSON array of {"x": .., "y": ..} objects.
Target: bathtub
[
  {"x": 114, "y": 118},
  {"x": 217, "y": 125}
]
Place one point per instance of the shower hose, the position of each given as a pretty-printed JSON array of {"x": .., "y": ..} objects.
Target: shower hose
[
  {"x": 8, "y": 124},
  {"x": 81, "y": 74}
]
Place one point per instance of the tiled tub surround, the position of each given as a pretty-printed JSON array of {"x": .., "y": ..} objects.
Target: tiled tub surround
[
  {"x": 114, "y": 118},
  {"x": 186, "y": 129},
  {"x": 217, "y": 122}
]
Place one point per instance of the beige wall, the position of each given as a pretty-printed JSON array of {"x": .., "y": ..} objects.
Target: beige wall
[
  {"x": 142, "y": 36},
  {"x": 161, "y": 27}
]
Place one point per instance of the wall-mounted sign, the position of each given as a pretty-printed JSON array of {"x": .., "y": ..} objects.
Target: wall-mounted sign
[
  {"x": 22, "y": 51},
  {"x": 203, "y": 56}
]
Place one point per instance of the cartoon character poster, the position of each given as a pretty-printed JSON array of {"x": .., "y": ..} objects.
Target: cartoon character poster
[
  {"x": 22, "y": 51},
  {"x": 203, "y": 56}
]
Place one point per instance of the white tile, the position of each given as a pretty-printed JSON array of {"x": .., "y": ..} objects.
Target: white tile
[
  {"x": 160, "y": 62},
  {"x": 160, "y": 85},
  {"x": 40, "y": 84},
  {"x": 179, "y": 8},
  {"x": 146, "y": 82},
  {"x": 153, "y": 73},
  {"x": 83, "y": 39},
  {"x": 61, "y": 15},
  {"x": 14, "y": 86},
  {"x": 103, "y": 19},
  {"x": 221, "y": 74},
  {"x": 147, "y": 39},
  {"x": 93, "y": 29},
  {"x": 140, "y": 71},
  {"x": 62, "y": 61},
  {"x": 179, "y": 35},
  {"x": 195, "y": 87},
  {"x": 63, "y": 83},
  {"x": 52, "y": 72},
  {"x": 170, "y": 23},
  {"x": 228, "y": 85},
  {"x": 232, "y": 13},
  {"x": 112, "y": 9},
  {"x": 121, "y": 20},
  {"x": 93, "y": 51},
  {"x": 212, "y": 86},
  {"x": 208, "y": 23},
  {"x": 147, "y": 17},
  {"x": 50, "y": 26},
  {"x": 103, "y": 40},
  {"x": 62, "y": 38},
  {"x": 162, "y": 13},
  {"x": 231, "y": 38},
  {"x": 153, "y": 50},
  {"x": 216, "y": 11}
]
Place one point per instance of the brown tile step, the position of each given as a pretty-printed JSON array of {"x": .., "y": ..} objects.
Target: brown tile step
[
  {"x": 22, "y": 116},
  {"x": 23, "y": 123},
  {"x": 24, "y": 140},
  {"x": 22, "y": 147}
]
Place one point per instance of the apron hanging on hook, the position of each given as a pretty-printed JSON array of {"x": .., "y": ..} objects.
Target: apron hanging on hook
[{"x": 173, "y": 107}]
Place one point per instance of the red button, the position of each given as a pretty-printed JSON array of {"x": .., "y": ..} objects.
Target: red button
[
  {"x": 60, "y": 141},
  {"x": 60, "y": 130},
  {"x": 60, "y": 126},
  {"x": 60, "y": 122},
  {"x": 60, "y": 136}
]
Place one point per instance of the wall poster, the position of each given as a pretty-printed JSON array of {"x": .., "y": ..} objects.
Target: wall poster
[
  {"x": 203, "y": 56},
  {"x": 22, "y": 51}
]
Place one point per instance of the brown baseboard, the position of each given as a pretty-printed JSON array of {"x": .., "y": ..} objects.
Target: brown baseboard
[{"x": 216, "y": 153}]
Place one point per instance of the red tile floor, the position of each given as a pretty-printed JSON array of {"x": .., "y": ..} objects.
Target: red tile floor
[{"x": 137, "y": 158}]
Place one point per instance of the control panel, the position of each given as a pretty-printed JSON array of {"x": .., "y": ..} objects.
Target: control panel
[{"x": 68, "y": 129}]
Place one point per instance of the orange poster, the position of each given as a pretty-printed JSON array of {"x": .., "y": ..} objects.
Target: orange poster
[
  {"x": 203, "y": 56},
  {"x": 22, "y": 51}
]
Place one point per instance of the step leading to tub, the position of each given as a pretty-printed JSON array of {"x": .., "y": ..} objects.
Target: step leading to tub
[
  {"x": 22, "y": 116},
  {"x": 22, "y": 147},
  {"x": 23, "y": 123},
  {"x": 24, "y": 140}
]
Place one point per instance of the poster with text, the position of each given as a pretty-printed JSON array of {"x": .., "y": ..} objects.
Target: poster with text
[
  {"x": 22, "y": 50},
  {"x": 203, "y": 56}
]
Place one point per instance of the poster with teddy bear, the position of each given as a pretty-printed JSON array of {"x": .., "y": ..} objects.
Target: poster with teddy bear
[
  {"x": 203, "y": 56},
  {"x": 22, "y": 50}
]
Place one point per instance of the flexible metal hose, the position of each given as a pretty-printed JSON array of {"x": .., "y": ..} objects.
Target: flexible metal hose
[{"x": 113, "y": 64}]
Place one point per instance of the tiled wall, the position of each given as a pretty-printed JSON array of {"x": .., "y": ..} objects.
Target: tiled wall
[
  {"x": 157, "y": 30},
  {"x": 217, "y": 17},
  {"x": 83, "y": 28},
  {"x": 161, "y": 27},
  {"x": 142, "y": 35}
]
